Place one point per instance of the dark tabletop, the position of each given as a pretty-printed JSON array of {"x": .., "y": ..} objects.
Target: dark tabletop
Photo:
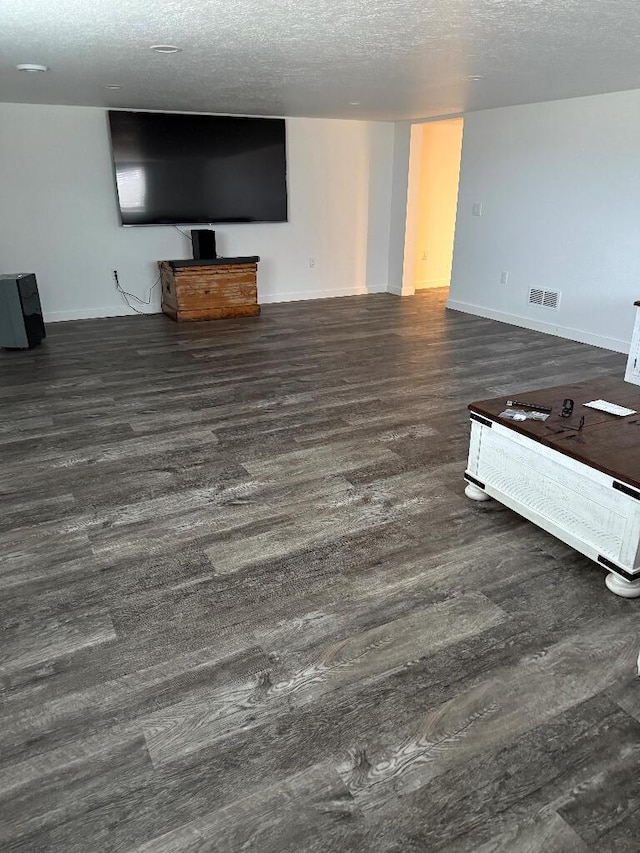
[
  {"x": 606, "y": 442},
  {"x": 248, "y": 259}
]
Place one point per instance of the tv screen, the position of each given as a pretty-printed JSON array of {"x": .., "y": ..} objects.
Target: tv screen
[{"x": 174, "y": 168}]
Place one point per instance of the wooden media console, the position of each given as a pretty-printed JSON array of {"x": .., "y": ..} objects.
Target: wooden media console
[{"x": 211, "y": 289}]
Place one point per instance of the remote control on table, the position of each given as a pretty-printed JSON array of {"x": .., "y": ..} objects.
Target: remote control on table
[{"x": 539, "y": 406}]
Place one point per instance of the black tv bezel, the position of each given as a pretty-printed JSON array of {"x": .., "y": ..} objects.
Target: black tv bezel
[{"x": 180, "y": 222}]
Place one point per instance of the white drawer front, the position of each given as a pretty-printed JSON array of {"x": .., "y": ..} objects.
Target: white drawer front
[{"x": 575, "y": 497}]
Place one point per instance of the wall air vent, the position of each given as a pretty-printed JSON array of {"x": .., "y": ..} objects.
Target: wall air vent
[{"x": 544, "y": 298}]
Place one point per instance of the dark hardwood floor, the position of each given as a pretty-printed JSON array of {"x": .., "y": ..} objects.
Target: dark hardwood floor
[{"x": 246, "y": 606}]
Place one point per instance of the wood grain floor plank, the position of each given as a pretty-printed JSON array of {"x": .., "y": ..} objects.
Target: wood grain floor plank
[
  {"x": 493, "y": 712},
  {"x": 13, "y": 513},
  {"x": 203, "y": 719},
  {"x": 604, "y": 810},
  {"x": 213, "y": 514},
  {"x": 626, "y": 693},
  {"x": 68, "y": 784},
  {"x": 266, "y": 820},
  {"x": 120, "y": 700},
  {"x": 358, "y": 508},
  {"x": 547, "y": 831},
  {"x": 54, "y": 640},
  {"x": 495, "y": 797}
]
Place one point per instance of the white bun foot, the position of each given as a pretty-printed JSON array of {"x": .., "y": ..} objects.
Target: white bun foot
[
  {"x": 620, "y": 586},
  {"x": 477, "y": 494}
]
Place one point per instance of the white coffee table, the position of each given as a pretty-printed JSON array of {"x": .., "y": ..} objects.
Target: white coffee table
[{"x": 580, "y": 485}]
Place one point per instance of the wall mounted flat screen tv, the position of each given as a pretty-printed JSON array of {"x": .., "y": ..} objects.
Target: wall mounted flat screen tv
[{"x": 179, "y": 168}]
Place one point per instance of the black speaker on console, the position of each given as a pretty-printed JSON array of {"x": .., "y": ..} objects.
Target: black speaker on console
[
  {"x": 204, "y": 244},
  {"x": 21, "y": 323}
]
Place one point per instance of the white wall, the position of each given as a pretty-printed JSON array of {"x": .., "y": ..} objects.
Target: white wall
[
  {"x": 59, "y": 215},
  {"x": 398, "y": 205},
  {"x": 559, "y": 184}
]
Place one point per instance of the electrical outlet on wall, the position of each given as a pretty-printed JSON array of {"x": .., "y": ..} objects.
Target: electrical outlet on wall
[
  {"x": 424, "y": 254},
  {"x": 504, "y": 277},
  {"x": 312, "y": 262},
  {"x": 476, "y": 209}
]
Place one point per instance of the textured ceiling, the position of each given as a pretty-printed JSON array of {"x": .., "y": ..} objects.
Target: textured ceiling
[{"x": 398, "y": 58}]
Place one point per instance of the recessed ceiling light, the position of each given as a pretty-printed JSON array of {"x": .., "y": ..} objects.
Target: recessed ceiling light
[
  {"x": 354, "y": 103},
  {"x": 31, "y": 66},
  {"x": 113, "y": 87},
  {"x": 475, "y": 77},
  {"x": 165, "y": 48}
]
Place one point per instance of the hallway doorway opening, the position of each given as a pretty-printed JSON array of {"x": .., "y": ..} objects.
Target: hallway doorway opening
[{"x": 432, "y": 198}]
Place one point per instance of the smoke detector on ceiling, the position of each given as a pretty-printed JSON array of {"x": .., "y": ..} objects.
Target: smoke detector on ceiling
[
  {"x": 31, "y": 66},
  {"x": 165, "y": 48}
]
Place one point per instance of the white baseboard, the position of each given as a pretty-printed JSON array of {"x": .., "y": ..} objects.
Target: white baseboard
[
  {"x": 329, "y": 293},
  {"x": 97, "y": 313},
  {"x": 263, "y": 299},
  {"x": 426, "y": 283},
  {"x": 398, "y": 290},
  {"x": 541, "y": 326}
]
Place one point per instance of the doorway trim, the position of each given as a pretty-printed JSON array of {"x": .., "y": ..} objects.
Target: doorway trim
[{"x": 413, "y": 200}]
